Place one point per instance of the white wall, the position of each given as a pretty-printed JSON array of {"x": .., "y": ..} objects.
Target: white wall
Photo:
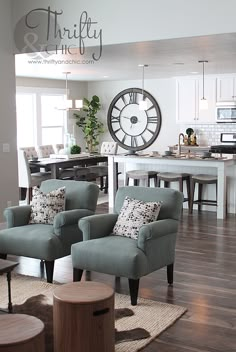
[
  {"x": 8, "y": 161},
  {"x": 163, "y": 91},
  {"x": 135, "y": 20}
]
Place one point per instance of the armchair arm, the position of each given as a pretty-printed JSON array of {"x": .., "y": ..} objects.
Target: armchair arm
[
  {"x": 17, "y": 216},
  {"x": 156, "y": 230},
  {"x": 97, "y": 226},
  {"x": 69, "y": 217}
]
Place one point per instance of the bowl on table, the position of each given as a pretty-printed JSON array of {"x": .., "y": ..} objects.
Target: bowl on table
[
  {"x": 34, "y": 158},
  {"x": 206, "y": 154},
  {"x": 168, "y": 153}
]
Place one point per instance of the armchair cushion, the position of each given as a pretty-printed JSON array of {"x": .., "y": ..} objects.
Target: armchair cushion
[
  {"x": 45, "y": 206},
  {"x": 133, "y": 215}
]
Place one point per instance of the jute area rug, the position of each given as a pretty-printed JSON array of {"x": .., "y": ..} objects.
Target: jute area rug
[{"x": 148, "y": 316}]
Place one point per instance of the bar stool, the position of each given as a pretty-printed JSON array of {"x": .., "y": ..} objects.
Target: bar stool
[
  {"x": 202, "y": 179},
  {"x": 169, "y": 177},
  {"x": 138, "y": 175}
]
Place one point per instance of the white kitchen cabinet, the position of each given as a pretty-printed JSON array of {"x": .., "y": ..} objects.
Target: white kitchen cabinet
[
  {"x": 226, "y": 88},
  {"x": 188, "y": 93}
]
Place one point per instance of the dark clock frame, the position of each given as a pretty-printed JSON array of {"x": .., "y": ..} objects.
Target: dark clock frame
[{"x": 132, "y": 100}]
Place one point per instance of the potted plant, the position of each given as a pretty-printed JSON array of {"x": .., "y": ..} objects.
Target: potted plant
[
  {"x": 75, "y": 149},
  {"x": 89, "y": 123}
]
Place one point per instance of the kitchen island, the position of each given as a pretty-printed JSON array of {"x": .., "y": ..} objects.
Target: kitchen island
[{"x": 194, "y": 165}]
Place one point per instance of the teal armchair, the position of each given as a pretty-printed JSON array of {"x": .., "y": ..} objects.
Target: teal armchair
[
  {"x": 126, "y": 257},
  {"x": 49, "y": 242}
]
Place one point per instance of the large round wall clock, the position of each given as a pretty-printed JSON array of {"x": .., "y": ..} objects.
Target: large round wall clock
[{"x": 132, "y": 128}]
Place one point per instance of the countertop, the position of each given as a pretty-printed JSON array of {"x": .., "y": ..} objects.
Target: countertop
[{"x": 183, "y": 157}]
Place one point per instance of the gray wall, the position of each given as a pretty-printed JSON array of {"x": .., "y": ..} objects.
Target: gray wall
[{"x": 8, "y": 161}]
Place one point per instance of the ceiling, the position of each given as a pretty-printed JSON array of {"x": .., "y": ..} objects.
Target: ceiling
[{"x": 166, "y": 58}]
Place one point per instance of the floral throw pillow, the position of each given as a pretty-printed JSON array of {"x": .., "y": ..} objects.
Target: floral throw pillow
[
  {"x": 133, "y": 214},
  {"x": 44, "y": 206}
]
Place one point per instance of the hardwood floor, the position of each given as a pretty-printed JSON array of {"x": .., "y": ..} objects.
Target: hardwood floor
[{"x": 204, "y": 282}]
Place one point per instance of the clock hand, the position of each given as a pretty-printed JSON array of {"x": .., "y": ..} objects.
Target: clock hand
[{"x": 125, "y": 117}]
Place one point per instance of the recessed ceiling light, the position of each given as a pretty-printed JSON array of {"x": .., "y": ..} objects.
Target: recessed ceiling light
[
  {"x": 105, "y": 76},
  {"x": 194, "y": 72},
  {"x": 178, "y": 63}
]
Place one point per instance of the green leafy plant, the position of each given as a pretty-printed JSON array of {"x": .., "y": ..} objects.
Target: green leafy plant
[
  {"x": 89, "y": 122},
  {"x": 75, "y": 149}
]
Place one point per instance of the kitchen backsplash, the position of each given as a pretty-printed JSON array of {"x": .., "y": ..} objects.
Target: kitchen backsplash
[{"x": 209, "y": 134}]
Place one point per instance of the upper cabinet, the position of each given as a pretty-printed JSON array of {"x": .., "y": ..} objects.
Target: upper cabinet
[
  {"x": 226, "y": 88},
  {"x": 188, "y": 93}
]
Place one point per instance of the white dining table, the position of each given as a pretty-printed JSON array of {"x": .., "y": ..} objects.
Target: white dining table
[{"x": 195, "y": 165}]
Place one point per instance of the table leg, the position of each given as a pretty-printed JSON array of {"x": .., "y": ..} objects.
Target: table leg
[
  {"x": 221, "y": 194},
  {"x": 9, "y": 292},
  {"x": 112, "y": 182},
  {"x": 54, "y": 171}
]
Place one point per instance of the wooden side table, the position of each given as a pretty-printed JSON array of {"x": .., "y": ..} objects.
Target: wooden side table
[
  {"x": 6, "y": 267},
  {"x": 21, "y": 332},
  {"x": 83, "y": 317}
]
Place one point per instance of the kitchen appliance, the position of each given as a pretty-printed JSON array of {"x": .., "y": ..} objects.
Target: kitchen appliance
[
  {"x": 229, "y": 147},
  {"x": 226, "y": 112}
]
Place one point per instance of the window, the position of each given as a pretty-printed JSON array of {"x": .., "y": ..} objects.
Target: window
[
  {"x": 38, "y": 120},
  {"x": 26, "y": 118},
  {"x": 52, "y": 120}
]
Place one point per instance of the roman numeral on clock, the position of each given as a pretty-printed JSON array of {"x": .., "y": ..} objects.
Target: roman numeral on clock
[
  {"x": 133, "y": 98},
  {"x": 115, "y": 119},
  {"x": 152, "y": 119},
  {"x": 115, "y": 107},
  {"x": 134, "y": 142}
]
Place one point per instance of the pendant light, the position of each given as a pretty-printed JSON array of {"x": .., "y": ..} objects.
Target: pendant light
[
  {"x": 143, "y": 103},
  {"x": 68, "y": 103},
  {"x": 203, "y": 103}
]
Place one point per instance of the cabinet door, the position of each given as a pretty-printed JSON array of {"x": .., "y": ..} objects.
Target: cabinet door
[
  {"x": 185, "y": 100},
  {"x": 225, "y": 89},
  {"x": 208, "y": 115}
]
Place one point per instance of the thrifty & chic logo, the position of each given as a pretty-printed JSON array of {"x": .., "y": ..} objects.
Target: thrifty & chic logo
[{"x": 39, "y": 33}]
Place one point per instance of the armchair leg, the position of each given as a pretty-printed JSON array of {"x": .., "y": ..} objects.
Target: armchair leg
[
  {"x": 133, "y": 289},
  {"x": 49, "y": 265},
  {"x": 77, "y": 274},
  {"x": 3, "y": 256},
  {"x": 170, "y": 273}
]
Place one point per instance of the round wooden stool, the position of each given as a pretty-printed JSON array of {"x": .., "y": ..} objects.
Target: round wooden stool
[
  {"x": 21, "y": 332},
  {"x": 83, "y": 317}
]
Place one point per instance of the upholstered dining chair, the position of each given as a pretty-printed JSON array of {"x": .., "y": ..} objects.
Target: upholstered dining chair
[
  {"x": 43, "y": 241},
  {"x": 154, "y": 248},
  {"x": 101, "y": 170},
  {"x": 26, "y": 179},
  {"x": 44, "y": 151},
  {"x": 31, "y": 152}
]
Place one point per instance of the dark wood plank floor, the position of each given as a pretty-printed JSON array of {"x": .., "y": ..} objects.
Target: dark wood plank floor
[{"x": 204, "y": 282}]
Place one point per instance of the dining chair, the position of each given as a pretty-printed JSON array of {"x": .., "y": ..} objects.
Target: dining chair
[
  {"x": 44, "y": 151},
  {"x": 26, "y": 179},
  {"x": 31, "y": 152},
  {"x": 101, "y": 170},
  {"x": 57, "y": 147}
]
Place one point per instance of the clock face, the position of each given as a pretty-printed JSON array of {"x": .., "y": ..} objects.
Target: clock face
[{"x": 132, "y": 128}]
